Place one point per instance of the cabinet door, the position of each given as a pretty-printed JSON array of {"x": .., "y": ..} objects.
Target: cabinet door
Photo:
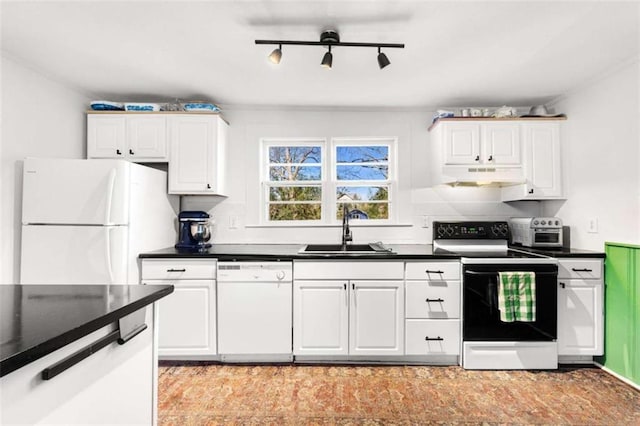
[
  {"x": 106, "y": 136},
  {"x": 320, "y": 317},
  {"x": 187, "y": 319},
  {"x": 147, "y": 137},
  {"x": 461, "y": 143},
  {"x": 376, "y": 318},
  {"x": 580, "y": 317},
  {"x": 194, "y": 155},
  {"x": 500, "y": 144},
  {"x": 542, "y": 164}
]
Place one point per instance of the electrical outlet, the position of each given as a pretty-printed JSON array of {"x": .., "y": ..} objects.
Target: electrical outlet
[
  {"x": 593, "y": 225},
  {"x": 233, "y": 222},
  {"x": 425, "y": 221}
]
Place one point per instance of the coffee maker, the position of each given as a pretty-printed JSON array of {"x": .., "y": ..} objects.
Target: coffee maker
[{"x": 194, "y": 230}]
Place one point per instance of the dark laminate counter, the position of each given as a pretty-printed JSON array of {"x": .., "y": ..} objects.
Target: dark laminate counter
[
  {"x": 565, "y": 252},
  {"x": 39, "y": 319},
  {"x": 239, "y": 252},
  {"x": 230, "y": 252}
]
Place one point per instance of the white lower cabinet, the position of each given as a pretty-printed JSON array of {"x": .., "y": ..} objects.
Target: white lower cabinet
[
  {"x": 359, "y": 315},
  {"x": 187, "y": 317},
  {"x": 580, "y": 307}
]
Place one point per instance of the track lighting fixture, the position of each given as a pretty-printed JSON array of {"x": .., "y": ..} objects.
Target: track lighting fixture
[
  {"x": 327, "y": 59},
  {"x": 329, "y": 39},
  {"x": 276, "y": 55},
  {"x": 383, "y": 61}
]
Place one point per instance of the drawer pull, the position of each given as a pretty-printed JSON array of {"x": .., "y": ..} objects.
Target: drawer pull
[
  {"x": 176, "y": 270},
  {"x": 433, "y": 338},
  {"x": 581, "y": 270},
  {"x": 434, "y": 300},
  {"x": 434, "y": 272},
  {"x": 563, "y": 285}
]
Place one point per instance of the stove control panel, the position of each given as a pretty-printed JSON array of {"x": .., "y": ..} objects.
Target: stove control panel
[{"x": 470, "y": 231}]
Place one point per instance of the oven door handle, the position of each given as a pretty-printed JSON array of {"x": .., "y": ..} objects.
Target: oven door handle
[{"x": 495, "y": 273}]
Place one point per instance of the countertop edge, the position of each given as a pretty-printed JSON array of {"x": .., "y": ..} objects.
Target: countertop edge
[{"x": 47, "y": 347}]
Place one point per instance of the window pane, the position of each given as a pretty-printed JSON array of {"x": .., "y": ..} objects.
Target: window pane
[
  {"x": 364, "y": 211},
  {"x": 293, "y": 173},
  {"x": 294, "y": 211},
  {"x": 349, "y": 194},
  {"x": 362, "y": 154},
  {"x": 372, "y": 172},
  {"x": 294, "y": 154},
  {"x": 295, "y": 193}
]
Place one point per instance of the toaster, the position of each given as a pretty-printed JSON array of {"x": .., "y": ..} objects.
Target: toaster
[{"x": 536, "y": 231}]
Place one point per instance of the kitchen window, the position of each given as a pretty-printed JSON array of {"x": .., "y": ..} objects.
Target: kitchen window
[{"x": 310, "y": 180}]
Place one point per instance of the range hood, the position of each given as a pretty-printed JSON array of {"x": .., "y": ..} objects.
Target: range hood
[{"x": 472, "y": 175}]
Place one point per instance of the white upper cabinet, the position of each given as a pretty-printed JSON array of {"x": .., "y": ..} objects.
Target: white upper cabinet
[
  {"x": 541, "y": 162},
  {"x": 140, "y": 138},
  {"x": 481, "y": 143},
  {"x": 197, "y": 161}
]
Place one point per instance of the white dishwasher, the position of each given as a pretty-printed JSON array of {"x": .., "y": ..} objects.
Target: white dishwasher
[{"x": 255, "y": 311}]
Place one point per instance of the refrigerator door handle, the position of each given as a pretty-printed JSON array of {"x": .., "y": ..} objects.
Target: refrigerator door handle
[
  {"x": 110, "y": 190},
  {"x": 108, "y": 257}
]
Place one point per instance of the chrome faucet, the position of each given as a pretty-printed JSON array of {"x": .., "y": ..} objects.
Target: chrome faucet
[{"x": 346, "y": 233}]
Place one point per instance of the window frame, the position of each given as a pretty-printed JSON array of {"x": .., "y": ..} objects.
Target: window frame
[
  {"x": 329, "y": 182},
  {"x": 391, "y": 144},
  {"x": 266, "y": 183}
]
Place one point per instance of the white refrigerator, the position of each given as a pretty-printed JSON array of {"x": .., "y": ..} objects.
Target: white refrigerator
[{"x": 86, "y": 221}]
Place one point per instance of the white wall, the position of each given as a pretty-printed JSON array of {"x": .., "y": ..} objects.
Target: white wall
[
  {"x": 601, "y": 150},
  {"x": 40, "y": 118},
  {"x": 414, "y": 199}
]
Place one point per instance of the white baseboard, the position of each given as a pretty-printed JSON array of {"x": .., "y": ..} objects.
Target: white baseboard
[{"x": 618, "y": 376}]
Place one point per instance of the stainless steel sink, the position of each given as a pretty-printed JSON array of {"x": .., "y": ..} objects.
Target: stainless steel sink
[{"x": 375, "y": 248}]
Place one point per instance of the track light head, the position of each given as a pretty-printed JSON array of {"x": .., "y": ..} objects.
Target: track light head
[
  {"x": 327, "y": 59},
  {"x": 383, "y": 61},
  {"x": 276, "y": 55}
]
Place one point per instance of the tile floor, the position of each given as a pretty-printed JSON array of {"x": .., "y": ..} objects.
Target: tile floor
[{"x": 204, "y": 394}]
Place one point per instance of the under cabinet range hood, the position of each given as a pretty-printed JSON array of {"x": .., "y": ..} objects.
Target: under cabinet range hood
[{"x": 478, "y": 176}]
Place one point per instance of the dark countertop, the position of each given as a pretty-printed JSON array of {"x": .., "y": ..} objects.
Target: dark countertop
[
  {"x": 564, "y": 252},
  {"x": 232, "y": 252},
  {"x": 39, "y": 319},
  {"x": 239, "y": 252}
]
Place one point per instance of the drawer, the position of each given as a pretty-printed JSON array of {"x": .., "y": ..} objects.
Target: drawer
[
  {"x": 432, "y": 299},
  {"x": 433, "y": 271},
  {"x": 580, "y": 268},
  {"x": 160, "y": 269},
  {"x": 432, "y": 337}
]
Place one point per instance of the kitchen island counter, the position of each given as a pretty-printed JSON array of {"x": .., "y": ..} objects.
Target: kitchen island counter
[
  {"x": 60, "y": 361},
  {"x": 44, "y": 318}
]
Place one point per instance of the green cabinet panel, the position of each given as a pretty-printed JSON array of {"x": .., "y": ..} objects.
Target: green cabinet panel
[{"x": 622, "y": 308}]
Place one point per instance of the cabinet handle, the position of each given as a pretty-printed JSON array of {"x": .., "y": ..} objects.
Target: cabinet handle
[
  {"x": 581, "y": 270},
  {"x": 477, "y": 158},
  {"x": 131, "y": 152},
  {"x": 563, "y": 285},
  {"x": 433, "y": 272},
  {"x": 208, "y": 186},
  {"x": 345, "y": 286},
  {"x": 118, "y": 152},
  {"x": 531, "y": 191},
  {"x": 434, "y": 300},
  {"x": 176, "y": 270},
  {"x": 433, "y": 338},
  {"x": 491, "y": 158}
]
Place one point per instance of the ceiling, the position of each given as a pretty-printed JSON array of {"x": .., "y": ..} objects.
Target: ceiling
[{"x": 458, "y": 53}]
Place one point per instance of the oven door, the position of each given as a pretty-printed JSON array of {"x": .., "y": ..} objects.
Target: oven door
[{"x": 481, "y": 321}]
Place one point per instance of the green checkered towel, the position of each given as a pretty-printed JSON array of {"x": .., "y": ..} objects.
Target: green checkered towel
[{"x": 517, "y": 296}]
